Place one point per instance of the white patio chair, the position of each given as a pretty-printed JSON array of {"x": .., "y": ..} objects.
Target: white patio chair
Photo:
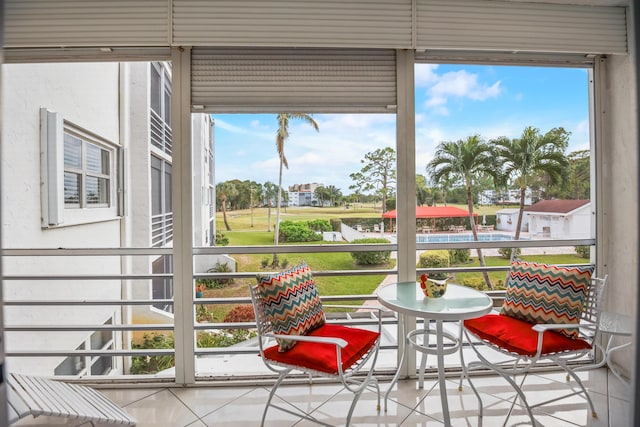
[
  {"x": 550, "y": 313},
  {"x": 288, "y": 309}
]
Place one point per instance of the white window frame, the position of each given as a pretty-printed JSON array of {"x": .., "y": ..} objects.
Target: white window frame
[{"x": 54, "y": 212}]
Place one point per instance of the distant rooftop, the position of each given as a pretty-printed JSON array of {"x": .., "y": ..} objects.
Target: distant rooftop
[{"x": 556, "y": 206}]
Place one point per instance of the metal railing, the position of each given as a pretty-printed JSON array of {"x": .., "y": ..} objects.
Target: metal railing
[
  {"x": 125, "y": 301},
  {"x": 161, "y": 229}
]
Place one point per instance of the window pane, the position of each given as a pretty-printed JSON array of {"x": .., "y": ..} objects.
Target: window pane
[
  {"x": 97, "y": 159},
  {"x": 156, "y": 180},
  {"x": 156, "y": 90},
  {"x": 72, "y": 151},
  {"x": 167, "y": 188},
  {"x": 97, "y": 191},
  {"x": 167, "y": 107},
  {"x": 72, "y": 183}
]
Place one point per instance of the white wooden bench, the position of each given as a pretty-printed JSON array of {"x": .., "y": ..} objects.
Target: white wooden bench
[{"x": 29, "y": 395}]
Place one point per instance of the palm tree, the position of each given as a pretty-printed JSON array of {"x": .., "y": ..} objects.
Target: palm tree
[
  {"x": 529, "y": 156},
  {"x": 270, "y": 194},
  {"x": 226, "y": 190},
  {"x": 281, "y": 136},
  {"x": 334, "y": 194},
  {"x": 464, "y": 160}
]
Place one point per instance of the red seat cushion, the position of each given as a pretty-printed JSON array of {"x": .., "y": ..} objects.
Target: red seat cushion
[
  {"x": 322, "y": 357},
  {"x": 517, "y": 336}
]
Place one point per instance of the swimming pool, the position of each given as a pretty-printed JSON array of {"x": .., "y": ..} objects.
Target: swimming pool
[{"x": 445, "y": 238}]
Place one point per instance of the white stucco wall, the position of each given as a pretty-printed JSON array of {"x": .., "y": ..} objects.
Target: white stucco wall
[
  {"x": 577, "y": 225},
  {"x": 87, "y": 95},
  {"x": 507, "y": 220}
]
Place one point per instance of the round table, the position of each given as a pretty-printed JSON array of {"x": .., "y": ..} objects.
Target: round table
[{"x": 457, "y": 304}]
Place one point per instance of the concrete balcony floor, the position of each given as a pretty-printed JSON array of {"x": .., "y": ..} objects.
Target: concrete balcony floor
[{"x": 241, "y": 406}]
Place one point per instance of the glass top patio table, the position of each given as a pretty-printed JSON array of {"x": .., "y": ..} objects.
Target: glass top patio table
[{"x": 457, "y": 304}]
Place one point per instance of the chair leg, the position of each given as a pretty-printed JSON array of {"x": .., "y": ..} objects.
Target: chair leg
[
  {"x": 518, "y": 390},
  {"x": 465, "y": 374},
  {"x": 594, "y": 414},
  {"x": 272, "y": 393}
]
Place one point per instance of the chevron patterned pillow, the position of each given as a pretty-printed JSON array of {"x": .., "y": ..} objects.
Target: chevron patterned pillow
[
  {"x": 540, "y": 293},
  {"x": 291, "y": 302}
]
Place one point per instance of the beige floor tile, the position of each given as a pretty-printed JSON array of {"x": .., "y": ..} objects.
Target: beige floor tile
[
  {"x": 161, "y": 409},
  {"x": 126, "y": 396},
  {"x": 204, "y": 400},
  {"x": 247, "y": 411}
]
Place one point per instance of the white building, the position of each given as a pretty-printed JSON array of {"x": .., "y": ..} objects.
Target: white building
[
  {"x": 560, "y": 219},
  {"x": 303, "y": 194},
  {"x": 87, "y": 163},
  {"x": 507, "y": 220}
]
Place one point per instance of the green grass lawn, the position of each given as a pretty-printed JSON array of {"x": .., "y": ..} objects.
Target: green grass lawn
[
  {"x": 240, "y": 220},
  {"x": 244, "y": 235},
  {"x": 498, "y": 278}
]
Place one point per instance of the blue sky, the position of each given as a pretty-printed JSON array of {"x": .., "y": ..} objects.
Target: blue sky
[{"x": 452, "y": 102}]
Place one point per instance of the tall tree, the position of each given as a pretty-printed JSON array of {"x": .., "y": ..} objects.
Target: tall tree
[
  {"x": 255, "y": 194},
  {"x": 422, "y": 191},
  {"x": 378, "y": 174},
  {"x": 270, "y": 194},
  {"x": 529, "y": 156},
  {"x": 333, "y": 194},
  {"x": 321, "y": 194},
  {"x": 226, "y": 190},
  {"x": 465, "y": 160},
  {"x": 281, "y": 137}
]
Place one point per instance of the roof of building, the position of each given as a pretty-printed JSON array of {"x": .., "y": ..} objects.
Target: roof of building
[{"x": 556, "y": 206}]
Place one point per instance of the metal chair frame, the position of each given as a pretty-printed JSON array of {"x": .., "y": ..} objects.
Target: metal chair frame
[
  {"x": 350, "y": 378},
  {"x": 588, "y": 329}
]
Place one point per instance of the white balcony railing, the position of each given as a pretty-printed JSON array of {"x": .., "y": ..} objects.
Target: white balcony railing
[{"x": 61, "y": 326}]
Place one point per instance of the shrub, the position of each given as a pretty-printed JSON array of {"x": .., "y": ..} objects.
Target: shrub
[
  {"x": 583, "y": 251},
  {"x": 240, "y": 313},
  {"x": 459, "y": 256},
  {"x": 264, "y": 262},
  {"x": 373, "y": 257},
  {"x": 212, "y": 283},
  {"x": 475, "y": 283},
  {"x": 320, "y": 225},
  {"x": 297, "y": 232},
  {"x": 435, "y": 259},
  {"x": 221, "y": 239},
  {"x": 153, "y": 364},
  {"x": 506, "y": 253},
  {"x": 204, "y": 339},
  {"x": 203, "y": 314},
  {"x": 224, "y": 338}
]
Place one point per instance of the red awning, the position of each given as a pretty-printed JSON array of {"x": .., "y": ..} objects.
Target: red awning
[{"x": 434, "y": 212}]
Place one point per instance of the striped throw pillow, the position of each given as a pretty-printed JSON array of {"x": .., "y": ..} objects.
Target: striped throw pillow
[
  {"x": 540, "y": 293},
  {"x": 291, "y": 302}
]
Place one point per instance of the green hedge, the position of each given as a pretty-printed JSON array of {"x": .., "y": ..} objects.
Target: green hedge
[
  {"x": 435, "y": 259},
  {"x": 373, "y": 257},
  {"x": 297, "y": 232}
]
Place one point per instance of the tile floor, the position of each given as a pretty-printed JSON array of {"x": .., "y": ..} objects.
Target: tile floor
[{"x": 407, "y": 405}]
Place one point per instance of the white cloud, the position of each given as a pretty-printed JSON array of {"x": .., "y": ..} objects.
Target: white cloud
[
  {"x": 580, "y": 139},
  {"x": 425, "y": 75},
  {"x": 453, "y": 84},
  {"x": 327, "y": 156},
  {"x": 463, "y": 84}
]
